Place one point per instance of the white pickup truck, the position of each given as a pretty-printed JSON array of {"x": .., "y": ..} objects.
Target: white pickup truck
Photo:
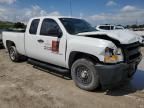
[{"x": 67, "y": 44}]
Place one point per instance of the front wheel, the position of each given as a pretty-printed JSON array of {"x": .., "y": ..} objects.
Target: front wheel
[{"x": 85, "y": 75}]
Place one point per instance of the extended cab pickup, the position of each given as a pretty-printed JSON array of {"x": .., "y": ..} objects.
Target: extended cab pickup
[{"x": 71, "y": 45}]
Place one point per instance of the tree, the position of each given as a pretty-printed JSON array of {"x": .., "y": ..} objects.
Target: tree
[
  {"x": 5, "y": 25},
  {"x": 134, "y": 26},
  {"x": 141, "y": 26},
  {"x": 19, "y": 25}
]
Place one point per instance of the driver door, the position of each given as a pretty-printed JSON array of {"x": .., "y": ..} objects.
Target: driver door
[{"x": 49, "y": 43}]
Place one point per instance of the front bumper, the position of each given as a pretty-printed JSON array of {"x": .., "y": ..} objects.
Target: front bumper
[{"x": 113, "y": 75}]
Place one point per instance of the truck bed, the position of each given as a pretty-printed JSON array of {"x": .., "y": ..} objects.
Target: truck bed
[{"x": 17, "y": 38}]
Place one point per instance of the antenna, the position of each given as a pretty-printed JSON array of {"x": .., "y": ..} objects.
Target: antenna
[
  {"x": 136, "y": 21},
  {"x": 71, "y": 8}
]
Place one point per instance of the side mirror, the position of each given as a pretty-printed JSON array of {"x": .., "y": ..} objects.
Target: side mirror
[{"x": 59, "y": 34}]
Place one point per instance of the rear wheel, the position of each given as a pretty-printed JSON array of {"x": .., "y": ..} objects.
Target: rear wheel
[
  {"x": 84, "y": 74},
  {"x": 13, "y": 54}
]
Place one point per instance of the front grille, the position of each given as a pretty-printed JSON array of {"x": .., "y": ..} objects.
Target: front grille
[{"x": 131, "y": 52}]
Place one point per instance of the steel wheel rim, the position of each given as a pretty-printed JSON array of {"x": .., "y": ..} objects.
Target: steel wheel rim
[
  {"x": 83, "y": 75},
  {"x": 12, "y": 54}
]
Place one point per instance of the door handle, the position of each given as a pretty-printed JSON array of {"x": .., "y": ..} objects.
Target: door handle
[{"x": 40, "y": 41}]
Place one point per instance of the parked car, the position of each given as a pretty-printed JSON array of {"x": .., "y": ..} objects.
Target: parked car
[
  {"x": 108, "y": 27},
  {"x": 72, "y": 45}
]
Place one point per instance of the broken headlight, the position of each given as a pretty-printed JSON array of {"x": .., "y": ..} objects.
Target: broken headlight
[{"x": 113, "y": 55}]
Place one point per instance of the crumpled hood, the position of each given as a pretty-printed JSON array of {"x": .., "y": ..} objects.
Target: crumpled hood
[{"x": 124, "y": 36}]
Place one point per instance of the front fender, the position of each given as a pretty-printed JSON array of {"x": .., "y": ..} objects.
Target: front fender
[{"x": 92, "y": 46}]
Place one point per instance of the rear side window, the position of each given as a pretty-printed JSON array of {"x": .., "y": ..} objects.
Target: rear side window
[
  {"x": 34, "y": 26},
  {"x": 49, "y": 26},
  {"x": 105, "y": 27},
  {"x": 112, "y": 27}
]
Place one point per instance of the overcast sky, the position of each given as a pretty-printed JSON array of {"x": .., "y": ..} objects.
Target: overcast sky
[{"x": 95, "y": 11}]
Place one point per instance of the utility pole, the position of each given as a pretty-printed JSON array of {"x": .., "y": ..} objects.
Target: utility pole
[
  {"x": 71, "y": 8},
  {"x": 136, "y": 21}
]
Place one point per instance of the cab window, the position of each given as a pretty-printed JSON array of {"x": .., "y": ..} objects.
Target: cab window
[
  {"x": 112, "y": 27},
  {"x": 50, "y": 28},
  {"x": 34, "y": 26},
  {"x": 105, "y": 27}
]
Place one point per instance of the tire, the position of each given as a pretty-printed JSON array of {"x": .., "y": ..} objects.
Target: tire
[
  {"x": 13, "y": 54},
  {"x": 84, "y": 74}
]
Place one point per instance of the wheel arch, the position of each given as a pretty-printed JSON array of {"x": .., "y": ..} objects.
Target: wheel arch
[
  {"x": 10, "y": 43},
  {"x": 75, "y": 55}
]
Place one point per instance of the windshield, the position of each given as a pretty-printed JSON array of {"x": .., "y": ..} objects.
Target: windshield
[{"x": 75, "y": 26}]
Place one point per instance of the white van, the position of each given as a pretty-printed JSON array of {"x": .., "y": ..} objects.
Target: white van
[{"x": 108, "y": 27}]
